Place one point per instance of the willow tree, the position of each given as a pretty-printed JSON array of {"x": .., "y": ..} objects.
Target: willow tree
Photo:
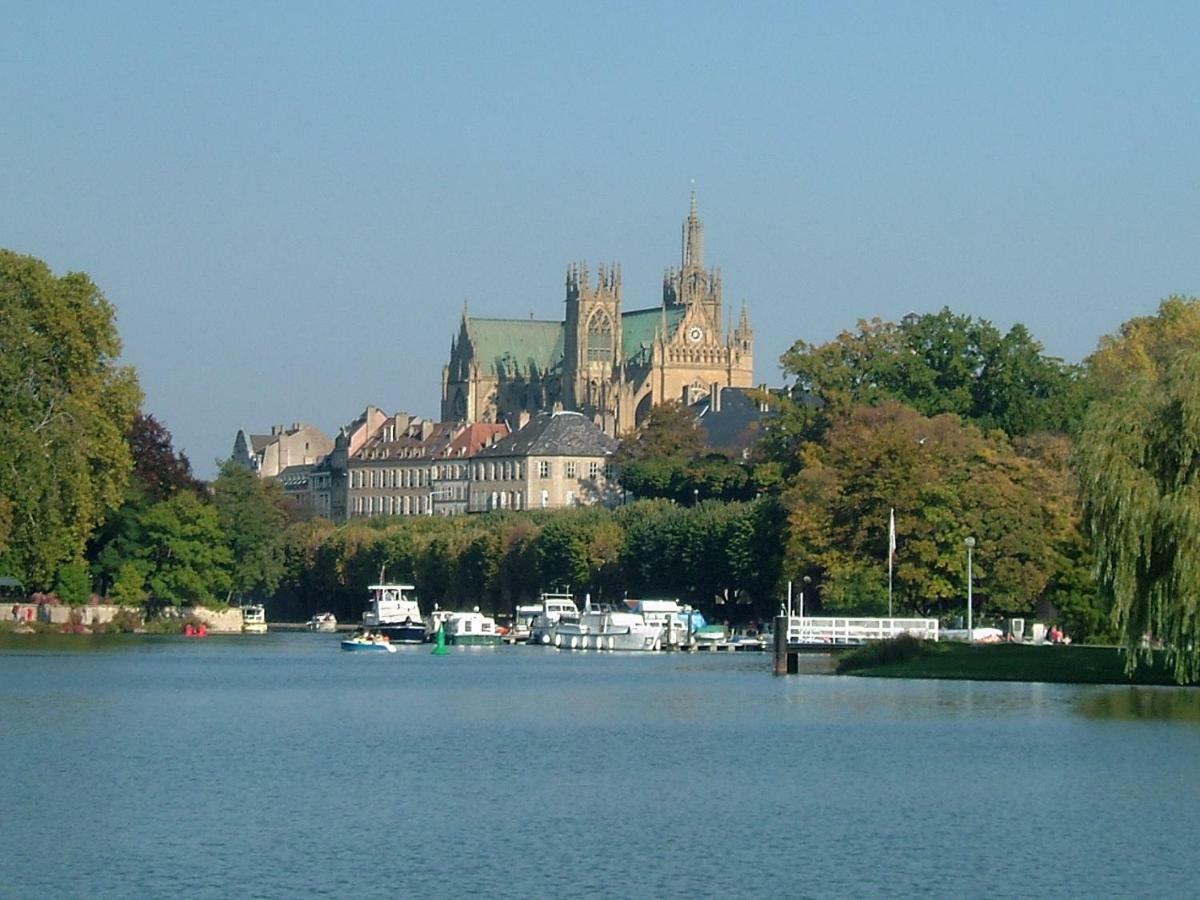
[{"x": 1139, "y": 466}]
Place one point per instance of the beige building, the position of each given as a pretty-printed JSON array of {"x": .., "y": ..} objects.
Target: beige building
[
  {"x": 413, "y": 467},
  {"x": 609, "y": 363},
  {"x": 557, "y": 460},
  {"x": 270, "y": 454}
]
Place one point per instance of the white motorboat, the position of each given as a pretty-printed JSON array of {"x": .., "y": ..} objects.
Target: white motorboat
[
  {"x": 471, "y": 629},
  {"x": 394, "y": 613},
  {"x": 254, "y": 619},
  {"x": 676, "y": 623},
  {"x": 606, "y": 629},
  {"x": 522, "y": 626},
  {"x": 553, "y": 608},
  {"x": 323, "y": 622}
]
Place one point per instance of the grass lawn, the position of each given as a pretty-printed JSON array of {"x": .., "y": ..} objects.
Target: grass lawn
[{"x": 1008, "y": 662}]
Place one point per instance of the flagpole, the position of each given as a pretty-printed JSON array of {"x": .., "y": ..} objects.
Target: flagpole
[{"x": 891, "y": 554}]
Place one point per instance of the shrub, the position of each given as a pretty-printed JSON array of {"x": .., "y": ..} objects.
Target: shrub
[
  {"x": 73, "y": 586},
  {"x": 884, "y": 653}
]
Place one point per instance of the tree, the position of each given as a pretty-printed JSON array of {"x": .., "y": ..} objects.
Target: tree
[
  {"x": 946, "y": 481},
  {"x": 157, "y": 467},
  {"x": 252, "y": 516},
  {"x": 65, "y": 409},
  {"x": 73, "y": 585},
  {"x": 939, "y": 363},
  {"x": 1139, "y": 467},
  {"x": 183, "y": 552}
]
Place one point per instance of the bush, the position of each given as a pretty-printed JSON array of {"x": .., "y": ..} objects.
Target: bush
[
  {"x": 74, "y": 586},
  {"x": 884, "y": 653}
]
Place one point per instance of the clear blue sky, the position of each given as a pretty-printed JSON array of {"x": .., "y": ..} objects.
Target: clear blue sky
[{"x": 288, "y": 203}]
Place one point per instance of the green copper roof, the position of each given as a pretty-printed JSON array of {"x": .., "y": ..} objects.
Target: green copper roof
[
  {"x": 511, "y": 346},
  {"x": 638, "y": 327}
]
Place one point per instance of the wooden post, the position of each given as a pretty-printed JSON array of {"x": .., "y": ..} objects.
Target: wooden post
[{"x": 781, "y": 645}]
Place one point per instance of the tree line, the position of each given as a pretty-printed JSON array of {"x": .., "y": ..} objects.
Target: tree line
[{"x": 1078, "y": 483}]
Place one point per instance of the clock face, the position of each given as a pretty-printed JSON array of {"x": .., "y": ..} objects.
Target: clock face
[{"x": 695, "y": 334}]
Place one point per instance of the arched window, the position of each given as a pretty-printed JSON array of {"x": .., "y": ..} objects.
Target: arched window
[{"x": 600, "y": 337}]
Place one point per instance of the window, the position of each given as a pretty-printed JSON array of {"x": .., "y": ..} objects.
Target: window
[
  {"x": 544, "y": 469},
  {"x": 593, "y": 470},
  {"x": 609, "y": 471},
  {"x": 571, "y": 469},
  {"x": 600, "y": 337},
  {"x": 545, "y": 499},
  {"x": 570, "y": 498}
]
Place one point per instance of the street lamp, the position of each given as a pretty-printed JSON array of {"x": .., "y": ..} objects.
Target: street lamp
[
  {"x": 695, "y": 496},
  {"x": 970, "y": 542}
]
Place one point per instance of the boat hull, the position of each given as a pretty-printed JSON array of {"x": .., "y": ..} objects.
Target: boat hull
[
  {"x": 474, "y": 640},
  {"x": 413, "y": 633},
  {"x": 367, "y": 647},
  {"x": 634, "y": 640}
]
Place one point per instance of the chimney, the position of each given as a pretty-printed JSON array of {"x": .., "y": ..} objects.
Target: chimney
[
  {"x": 522, "y": 419},
  {"x": 714, "y": 397}
]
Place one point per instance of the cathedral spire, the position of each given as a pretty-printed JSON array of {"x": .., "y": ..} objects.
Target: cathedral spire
[{"x": 693, "y": 236}]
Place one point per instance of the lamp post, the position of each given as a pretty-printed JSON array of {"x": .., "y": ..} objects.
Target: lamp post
[
  {"x": 970, "y": 542},
  {"x": 695, "y": 496}
]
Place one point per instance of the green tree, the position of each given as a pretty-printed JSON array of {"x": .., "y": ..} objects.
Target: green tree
[
  {"x": 65, "y": 409},
  {"x": 73, "y": 585},
  {"x": 946, "y": 481},
  {"x": 184, "y": 552},
  {"x": 938, "y": 363},
  {"x": 129, "y": 586},
  {"x": 252, "y": 516},
  {"x": 1139, "y": 465}
]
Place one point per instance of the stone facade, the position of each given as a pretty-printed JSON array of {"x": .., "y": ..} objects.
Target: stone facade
[
  {"x": 610, "y": 364},
  {"x": 413, "y": 467},
  {"x": 557, "y": 460},
  {"x": 270, "y": 454}
]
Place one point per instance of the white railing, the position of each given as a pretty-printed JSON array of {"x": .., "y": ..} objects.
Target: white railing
[{"x": 839, "y": 630}]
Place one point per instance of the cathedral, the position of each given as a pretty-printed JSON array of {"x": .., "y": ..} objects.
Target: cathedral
[{"x": 606, "y": 362}]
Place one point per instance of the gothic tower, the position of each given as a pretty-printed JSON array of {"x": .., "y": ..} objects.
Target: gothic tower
[
  {"x": 592, "y": 350},
  {"x": 691, "y": 286}
]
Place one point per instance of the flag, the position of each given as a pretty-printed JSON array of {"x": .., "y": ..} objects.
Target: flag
[{"x": 892, "y": 534}]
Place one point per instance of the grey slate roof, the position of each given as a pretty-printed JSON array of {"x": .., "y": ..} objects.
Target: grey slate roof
[
  {"x": 554, "y": 434},
  {"x": 733, "y": 428}
]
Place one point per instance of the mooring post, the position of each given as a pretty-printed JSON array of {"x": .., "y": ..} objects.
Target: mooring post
[{"x": 781, "y": 645}]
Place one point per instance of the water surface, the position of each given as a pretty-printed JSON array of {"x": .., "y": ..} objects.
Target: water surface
[{"x": 278, "y": 766}]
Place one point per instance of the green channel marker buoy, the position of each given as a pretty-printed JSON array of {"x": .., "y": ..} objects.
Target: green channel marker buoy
[{"x": 440, "y": 648}]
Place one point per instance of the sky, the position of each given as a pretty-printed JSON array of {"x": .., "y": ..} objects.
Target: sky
[{"x": 289, "y": 203}]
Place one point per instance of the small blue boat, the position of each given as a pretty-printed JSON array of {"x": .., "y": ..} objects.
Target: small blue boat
[{"x": 361, "y": 644}]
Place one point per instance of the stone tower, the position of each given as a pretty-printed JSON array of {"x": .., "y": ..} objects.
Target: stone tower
[
  {"x": 690, "y": 285},
  {"x": 592, "y": 349}
]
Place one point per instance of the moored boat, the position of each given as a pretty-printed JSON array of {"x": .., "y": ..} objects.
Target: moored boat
[
  {"x": 606, "y": 629},
  {"x": 553, "y": 608},
  {"x": 323, "y": 622},
  {"x": 471, "y": 629},
  {"x": 254, "y": 619},
  {"x": 394, "y": 613}
]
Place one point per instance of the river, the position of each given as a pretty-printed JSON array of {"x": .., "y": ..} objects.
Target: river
[{"x": 278, "y": 766}]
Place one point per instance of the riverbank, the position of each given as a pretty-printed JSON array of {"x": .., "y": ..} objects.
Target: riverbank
[{"x": 1004, "y": 662}]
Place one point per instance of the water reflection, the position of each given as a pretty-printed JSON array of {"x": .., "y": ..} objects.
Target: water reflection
[{"x": 1137, "y": 703}]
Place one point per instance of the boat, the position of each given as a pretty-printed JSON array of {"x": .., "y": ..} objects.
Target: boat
[
  {"x": 254, "y": 619},
  {"x": 522, "y": 626},
  {"x": 709, "y": 636},
  {"x": 395, "y": 614},
  {"x": 606, "y": 629},
  {"x": 471, "y": 629},
  {"x": 324, "y": 622},
  {"x": 553, "y": 607},
  {"x": 676, "y": 623},
  {"x": 368, "y": 643}
]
